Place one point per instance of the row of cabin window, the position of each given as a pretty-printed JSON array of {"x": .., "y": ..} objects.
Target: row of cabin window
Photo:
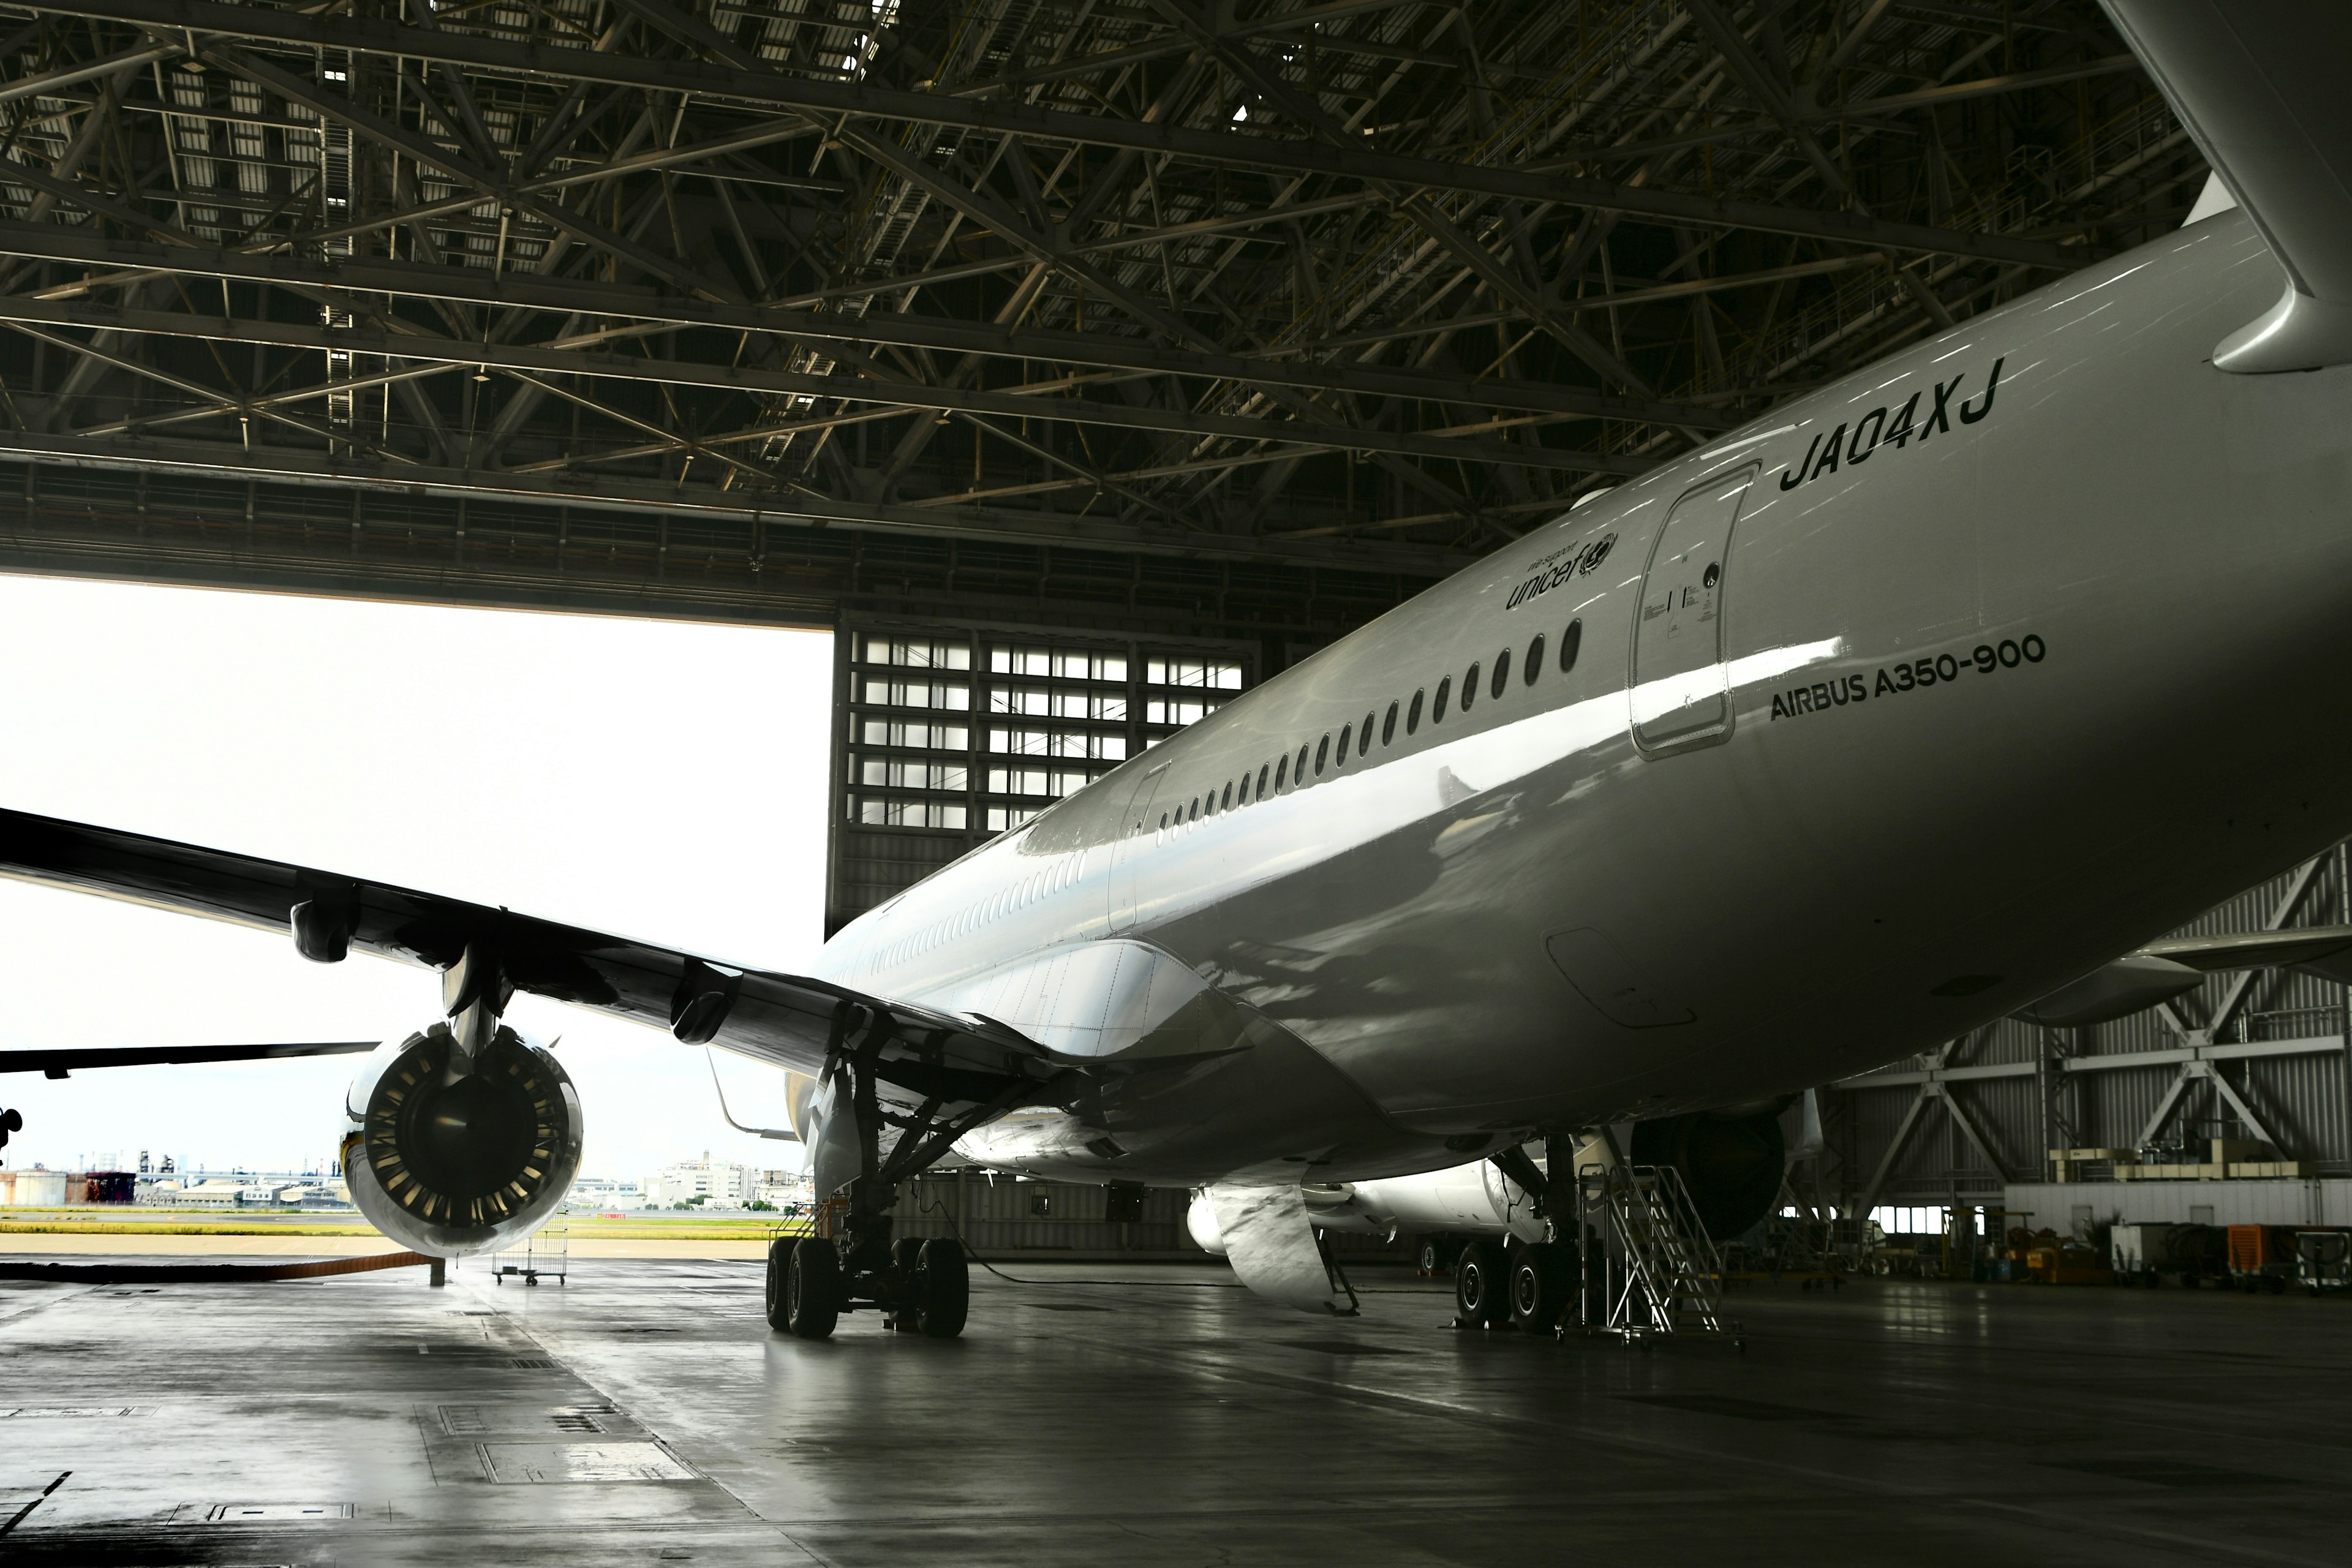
[{"x": 1284, "y": 774}]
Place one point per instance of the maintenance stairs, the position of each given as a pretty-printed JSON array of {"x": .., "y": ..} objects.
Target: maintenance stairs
[{"x": 1651, "y": 1267}]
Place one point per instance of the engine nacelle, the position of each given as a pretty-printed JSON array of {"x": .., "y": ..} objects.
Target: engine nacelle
[
  {"x": 449, "y": 1168},
  {"x": 1730, "y": 1165},
  {"x": 1473, "y": 1199}
]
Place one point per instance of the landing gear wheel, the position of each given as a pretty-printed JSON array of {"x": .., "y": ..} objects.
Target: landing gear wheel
[
  {"x": 1543, "y": 1283},
  {"x": 1428, "y": 1260},
  {"x": 780, "y": 1263},
  {"x": 1482, "y": 1294},
  {"x": 944, "y": 1290},
  {"x": 812, "y": 1290},
  {"x": 907, "y": 1277}
]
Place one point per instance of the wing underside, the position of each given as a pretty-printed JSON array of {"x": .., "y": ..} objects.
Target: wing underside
[{"x": 790, "y": 1021}]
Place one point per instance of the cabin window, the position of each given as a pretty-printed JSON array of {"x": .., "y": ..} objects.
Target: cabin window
[
  {"x": 1569, "y": 641},
  {"x": 1261, "y": 783},
  {"x": 1535, "y": 659},
  {"x": 1281, "y": 769},
  {"x": 1470, "y": 686},
  {"x": 1196, "y": 810},
  {"x": 1226, "y": 802},
  {"x": 1437, "y": 707},
  {"x": 1299, "y": 773},
  {"x": 1245, "y": 796},
  {"x": 1163, "y": 822},
  {"x": 1364, "y": 738},
  {"x": 1347, "y": 733},
  {"x": 1502, "y": 673},
  {"x": 1388, "y": 726},
  {"x": 1322, "y": 749},
  {"x": 1413, "y": 719}
]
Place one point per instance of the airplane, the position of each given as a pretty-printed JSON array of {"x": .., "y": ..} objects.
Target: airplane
[{"x": 1933, "y": 696}]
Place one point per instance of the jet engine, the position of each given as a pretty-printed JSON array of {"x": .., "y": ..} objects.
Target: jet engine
[
  {"x": 451, "y": 1164},
  {"x": 1731, "y": 1166}
]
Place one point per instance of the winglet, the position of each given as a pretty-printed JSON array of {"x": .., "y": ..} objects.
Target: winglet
[{"x": 2260, "y": 89}]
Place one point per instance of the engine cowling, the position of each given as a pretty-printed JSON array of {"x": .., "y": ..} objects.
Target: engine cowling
[
  {"x": 1730, "y": 1165},
  {"x": 450, "y": 1169}
]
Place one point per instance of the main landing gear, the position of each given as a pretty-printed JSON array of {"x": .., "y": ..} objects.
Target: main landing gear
[
  {"x": 926, "y": 1288},
  {"x": 853, "y": 1262}
]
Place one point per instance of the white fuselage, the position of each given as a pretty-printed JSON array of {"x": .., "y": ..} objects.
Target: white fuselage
[{"x": 1780, "y": 821}]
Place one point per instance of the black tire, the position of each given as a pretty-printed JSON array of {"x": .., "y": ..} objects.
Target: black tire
[
  {"x": 779, "y": 1262},
  {"x": 945, "y": 1287},
  {"x": 1543, "y": 1284},
  {"x": 1482, "y": 1289},
  {"x": 1428, "y": 1260},
  {"x": 813, "y": 1291}
]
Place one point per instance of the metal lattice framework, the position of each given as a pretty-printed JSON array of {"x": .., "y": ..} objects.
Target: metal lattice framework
[{"x": 1368, "y": 285}]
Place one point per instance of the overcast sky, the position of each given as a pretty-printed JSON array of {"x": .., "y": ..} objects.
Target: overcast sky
[{"x": 649, "y": 778}]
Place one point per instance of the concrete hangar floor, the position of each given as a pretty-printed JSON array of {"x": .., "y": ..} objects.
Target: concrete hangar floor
[{"x": 1149, "y": 1415}]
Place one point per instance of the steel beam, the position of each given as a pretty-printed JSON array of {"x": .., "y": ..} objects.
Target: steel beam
[
  {"x": 866, "y": 100},
  {"x": 752, "y": 379},
  {"x": 514, "y": 290},
  {"x": 608, "y": 492}
]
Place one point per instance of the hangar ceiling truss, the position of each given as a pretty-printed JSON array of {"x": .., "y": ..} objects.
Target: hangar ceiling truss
[{"x": 1379, "y": 283}]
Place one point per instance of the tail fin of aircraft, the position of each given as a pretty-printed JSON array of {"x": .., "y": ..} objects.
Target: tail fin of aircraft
[{"x": 2260, "y": 89}]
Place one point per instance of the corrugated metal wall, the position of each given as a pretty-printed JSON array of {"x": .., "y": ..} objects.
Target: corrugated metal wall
[
  {"x": 1004, "y": 1214},
  {"x": 2058, "y": 1095}
]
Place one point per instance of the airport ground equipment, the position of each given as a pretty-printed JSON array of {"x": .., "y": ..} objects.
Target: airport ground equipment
[
  {"x": 546, "y": 1255},
  {"x": 1649, "y": 1266},
  {"x": 2148, "y": 1252},
  {"x": 2322, "y": 1261},
  {"x": 2262, "y": 1256}
]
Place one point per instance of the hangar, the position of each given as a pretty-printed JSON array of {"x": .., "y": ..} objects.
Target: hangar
[{"x": 1085, "y": 367}]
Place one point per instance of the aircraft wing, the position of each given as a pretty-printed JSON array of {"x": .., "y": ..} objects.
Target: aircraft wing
[
  {"x": 2261, "y": 87},
  {"x": 59, "y": 1062},
  {"x": 2163, "y": 969},
  {"x": 793, "y": 1021},
  {"x": 2322, "y": 950}
]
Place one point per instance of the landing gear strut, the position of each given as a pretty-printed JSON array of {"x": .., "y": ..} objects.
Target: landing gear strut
[{"x": 853, "y": 1262}]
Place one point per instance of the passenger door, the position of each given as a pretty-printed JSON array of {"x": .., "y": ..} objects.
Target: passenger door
[
  {"x": 1135, "y": 837},
  {"x": 1679, "y": 694}
]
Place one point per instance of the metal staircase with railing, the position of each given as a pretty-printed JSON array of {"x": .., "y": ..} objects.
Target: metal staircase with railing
[{"x": 1650, "y": 1268}]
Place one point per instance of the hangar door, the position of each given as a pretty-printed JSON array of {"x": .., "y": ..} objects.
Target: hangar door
[{"x": 1680, "y": 696}]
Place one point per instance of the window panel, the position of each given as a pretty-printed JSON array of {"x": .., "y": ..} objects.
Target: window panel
[
  {"x": 1209, "y": 675},
  {"x": 874, "y": 812},
  {"x": 1065, "y": 663},
  {"x": 907, "y": 654},
  {"x": 1178, "y": 711},
  {"x": 893, "y": 772},
  {"x": 955, "y": 699},
  {"x": 921, "y": 737},
  {"x": 1058, "y": 743}
]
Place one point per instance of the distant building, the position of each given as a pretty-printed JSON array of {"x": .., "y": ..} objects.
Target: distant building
[
  {"x": 781, "y": 1189},
  {"x": 720, "y": 1183},
  {"x": 607, "y": 1192},
  {"x": 214, "y": 1195}
]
